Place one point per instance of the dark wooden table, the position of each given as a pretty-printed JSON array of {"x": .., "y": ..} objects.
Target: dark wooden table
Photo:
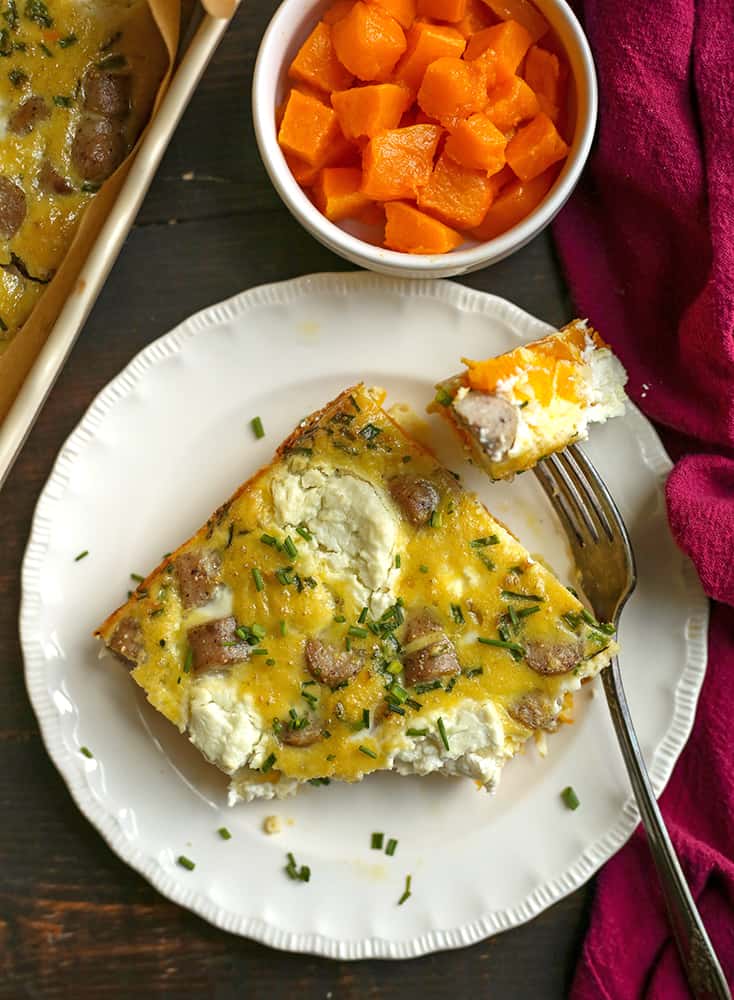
[{"x": 74, "y": 920}]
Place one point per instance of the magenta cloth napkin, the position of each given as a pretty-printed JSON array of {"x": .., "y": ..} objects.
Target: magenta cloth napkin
[{"x": 648, "y": 245}]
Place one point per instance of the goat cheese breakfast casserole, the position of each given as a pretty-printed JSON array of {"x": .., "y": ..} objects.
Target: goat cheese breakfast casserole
[
  {"x": 353, "y": 609},
  {"x": 77, "y": 79}
]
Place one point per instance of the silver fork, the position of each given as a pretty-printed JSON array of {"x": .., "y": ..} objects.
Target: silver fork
[{"x": 605, "y": 561}]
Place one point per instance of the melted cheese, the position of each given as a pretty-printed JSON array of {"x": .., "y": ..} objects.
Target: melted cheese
[{"x": 332, "y": 482}]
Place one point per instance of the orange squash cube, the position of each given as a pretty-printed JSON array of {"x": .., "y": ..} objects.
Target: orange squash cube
[
  {"x": 476, "y": 18},
  {"x": 308, "y": 128},
  {"x": 339, "y": 153},
  {"x": 505, "y": 44},
  {"x": 397, "y": 163},
  {"x": 402, "y": 10},
  {"x": 316, "y": 63},
  {"x": 544, "y": 74},
  {"x": 515, "y": 202},
  {"x": 511, "y": 102},
  {"x": 442, "y": 10},
  {"x": 411, "y": 231},
  {"x": 478, "y": 144},
  {"x": 535, "y": 147},
  {"x": 337, "y": 192},
  {"x": 304, "y": 173},
  {"x": 500, "y": 180},
  {"x": 522, "y": 11},
  {"x": 365, "y": 111},
  {"x": 456, "y": 195},
  {"x": 337, "y": 11},
  {"x": 426, "y": 43},
  {"x": 373, "y": 214},
  {"x": 453, "y": 89},
  {"x": 368, "y": 41}
]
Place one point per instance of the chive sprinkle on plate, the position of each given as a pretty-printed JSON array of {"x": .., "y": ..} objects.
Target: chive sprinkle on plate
[
  {"x": 376, "y": 841},
  {"x": 391, "y": 845},
  {"x": 257, "y": 427},
  {"x": 406, "y": 892},
  {"x": 82, "y": 555},
  {"x": 224, "y": 833},
  {"x": 186, "y": 863},
  {"x": 86, "y": 751},
  {"x": 570, "y": 798}
]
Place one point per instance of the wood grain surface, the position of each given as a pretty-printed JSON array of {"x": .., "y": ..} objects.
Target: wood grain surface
[{"x": 74, "y": 920}]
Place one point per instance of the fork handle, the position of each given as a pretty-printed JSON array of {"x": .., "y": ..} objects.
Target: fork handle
[{"x": 703, "y": 971}]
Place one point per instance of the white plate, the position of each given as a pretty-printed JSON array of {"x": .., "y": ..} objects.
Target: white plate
[{"x": 157, "y": 451}]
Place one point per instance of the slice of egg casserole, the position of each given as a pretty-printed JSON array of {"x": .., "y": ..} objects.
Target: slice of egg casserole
[
  {"x": 514, "y": 409},
  {"x": 353, "y": 609}
]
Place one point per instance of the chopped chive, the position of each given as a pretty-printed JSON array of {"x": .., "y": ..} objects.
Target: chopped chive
[
  {"x": 62, "y": 101},
  {"x": 257, "y": 427},
  {"x": 319, "y": 781},
  {"x": 224, "y": 833},
  {"x": 289, "y": 547},
  {"x": 423, "y": 568},
  {"x": 46, "y": 50},
  {"x": 270, "y": 662},
  {"x": 513, "y": 595},
  {"x": 442, "y": 397},
  {"x": 416, "y": 732},
  {"x": 397, "y": 561},
  {"x": 406, "y": 892},
  {"x": 457, "y": 614},
  {"x": 304, "y": 532},
  {"x": 137, "y": 577},
  {"x": 367, "y": 752},
  {"x": 406, "y": 459},
  {"x": 487, "y": 561},
  {"x": 436, "y": 520},
  {"x": 188, "y": 662},
  {"x": 376, "y": 841},
  {"x": 269, "y": 540},
  {"x": 527, "y": 612},
  {"x": 258, "y": 631},
  {"x": 514, "y": 618},
  {"x": 268, "y": 762},
  {"x": 339, "y": 619},
  {"x": 412, "y": 703},
  {"x": 391, "y": 845},
  {"x": 302, "y": 874},
  {"x": 442, "y": 732},
  {"x": 348, "y": 644},
  {"x": 362, "y": 616},
  {"x": 261, "y": 651},
  {"x": 357, "y": 632},
  {"x": 474, "y": 671},
  {"x": 283, "y": 627},
  {"x": 230, "y": 533},
  {"x": 398, "y": 692},
  {"x": 86, "y": 751},
  {"x": 365, "y": 718},
  {"x": 479, "y": 543},
  {"x": 395, "y": 708},
  {"x": 68, "y": 40},
  {"x": 570, "y": 798},
  {"x": 257, "y": 577},
  {"x": 283, "y": 576},
  {"x": 395, "y": 667},
  {"x": 82, "y": 555},
  {"x": 451, "y": 685},
  {"x": 185, "y": 862},
  {"x": 427, "y": 686},
  {"x": 514, "y": 647}
]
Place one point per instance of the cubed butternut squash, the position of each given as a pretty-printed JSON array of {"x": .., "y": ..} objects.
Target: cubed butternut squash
[
  {"x": 426, "y": 43},
  {"x": 337, "y": 192},
  {"x": 316, "y": 63},
  {"x": 513, "y": 204},
  {"x": 397, "y": 163},
  {"x": 368, "y": 41},
  {"x": 478, "y": 144},
  {"x": 508, "y": 42},
  {"x": 500, "y": 180},
  {"x": 511, "y": 102},
  {"x": 402, "y": 10},
  {"x": 337, "y": 11},
  {"x": 522, "y": 11},
  {"x": 442, "y": 10},
  {"x": 476, "y": 17},
  {"x": 365, "y": 111},
  {"x": 543, "y": 73},
  {"x": 411, "y": 231},
  {"x": 308, "y": 128},
  {"x": 456, "y": 195},
  {"x": 452, "y": 89},
  {"x": 535, "y": 147}
]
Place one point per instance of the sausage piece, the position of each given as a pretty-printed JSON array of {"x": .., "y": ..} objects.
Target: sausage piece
[
  {"x": 491, "y": 419},
  {"x": 25, "y": 117},
  {"x": 12, "y": 207},
  {"x": 328, "y": 665},
  {"x": 126, "y": 642},
  {"x": 305, "y": 737},
  {"x": 417, "y": 498},
  {"x": 198, "y": 575},
  {"x": 98, "y": 148},
  {"x": 107, "y": 93},
  {"x": 51, "y": 181},
  {"x": 534, "y": 711},
  {"x": 432, "y": 661},
  {"x": 552, "y": 658},
  {"x": 216, "y": 644}
]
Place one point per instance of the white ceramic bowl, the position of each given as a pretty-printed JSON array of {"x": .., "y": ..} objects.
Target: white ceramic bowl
[{"x": 289, "y": 27}]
